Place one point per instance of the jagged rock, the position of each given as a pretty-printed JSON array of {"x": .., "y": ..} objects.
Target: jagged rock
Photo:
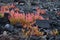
[
  {"x": 9, "y": 27},
  {"x": 43, "y": 23},
  {"x": 4, "y": 33}
]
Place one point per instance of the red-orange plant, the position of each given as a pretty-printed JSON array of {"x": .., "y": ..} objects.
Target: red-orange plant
[{"x": 25, "y": 19}]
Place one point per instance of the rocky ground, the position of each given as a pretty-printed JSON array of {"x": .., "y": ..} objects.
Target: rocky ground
[{"x": 14, "y": 32}]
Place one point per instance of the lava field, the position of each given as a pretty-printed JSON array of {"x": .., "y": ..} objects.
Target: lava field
[{"x": 29, "y": 20}]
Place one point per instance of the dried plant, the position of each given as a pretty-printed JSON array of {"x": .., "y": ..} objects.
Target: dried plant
[
  {"x": 27, "y": 20},
  {"x": 1, "y": 15},
  {"x": 54, "y": 32}
]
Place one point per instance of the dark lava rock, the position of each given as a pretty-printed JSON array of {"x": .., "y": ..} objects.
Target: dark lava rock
[
  {"x": 18, "y": 25},
  {"x": 4, "y": 38},
  {"x": 1, "y": 29},
  {"x": 58, "y": 37},
  {"x": 34, "y": 38},
  {"x": 43, "y": 23},
  {"x": 58, "y": 17},
  {"x": 1, "y": 20},
  {"x": 16, "y": 0},
  {"x": 34, "y": 4},
  {"x": 6, "y": 14},
  {"x": 9, "y": 27},
  {"x": 4, "y": 20},
  {"x": 54, "y": 24}
]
